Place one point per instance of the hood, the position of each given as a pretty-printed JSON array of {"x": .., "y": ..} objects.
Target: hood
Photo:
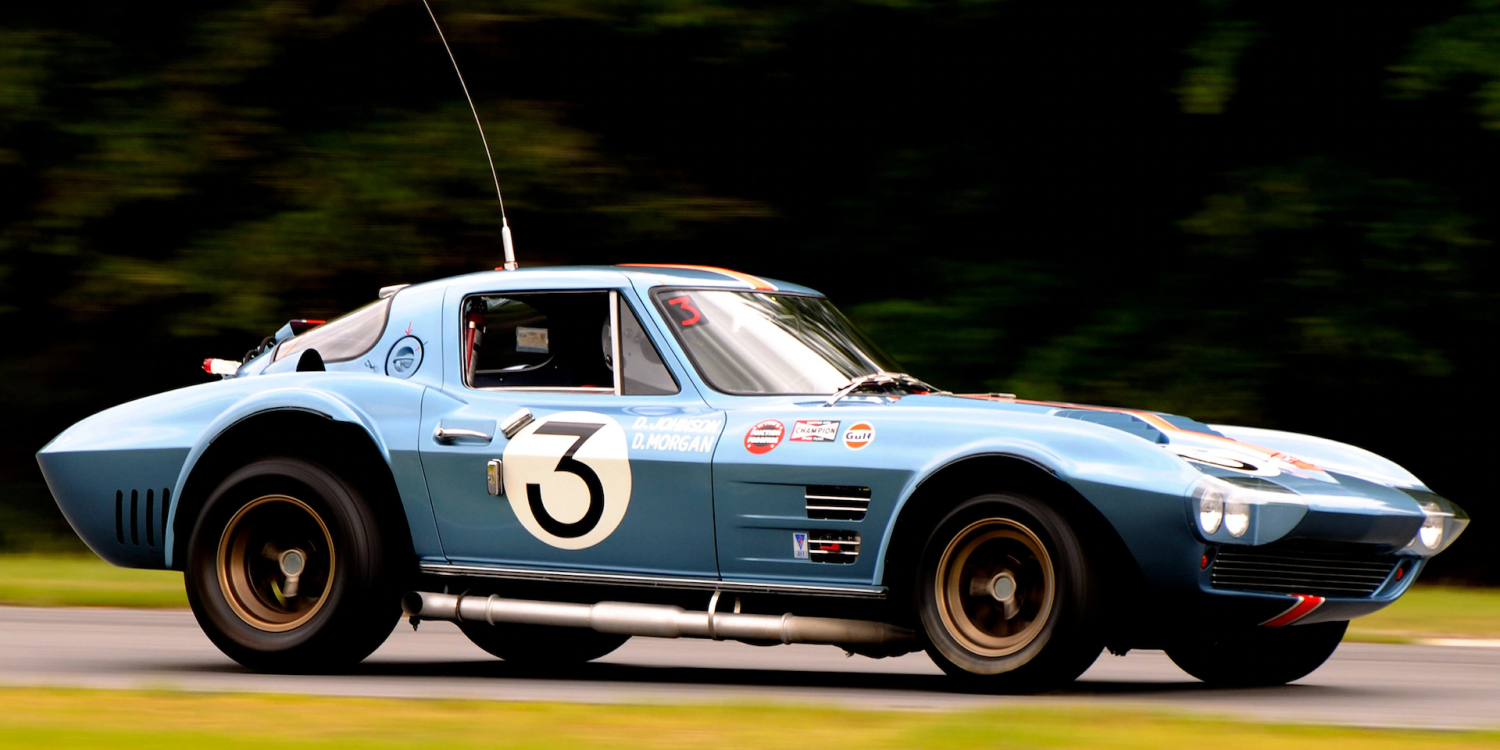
[{"x": 1303, "y": 463}]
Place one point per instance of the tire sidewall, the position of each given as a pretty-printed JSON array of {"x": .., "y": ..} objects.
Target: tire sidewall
[
  {"x": 1070, "y": 628},
  {"x": 354, "y": 592}
]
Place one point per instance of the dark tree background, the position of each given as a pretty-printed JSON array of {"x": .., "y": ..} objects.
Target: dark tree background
[{"x": 1275, "y": 214}]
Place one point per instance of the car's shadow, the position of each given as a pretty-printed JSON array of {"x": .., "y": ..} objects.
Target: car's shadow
[{"x": 731, "y": 677}]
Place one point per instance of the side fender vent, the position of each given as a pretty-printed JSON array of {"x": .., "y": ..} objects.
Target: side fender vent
[
  {"x": 129, "y": 516},
  {"x": 828, "y": 503},
  {"x": 833, "y": 546}
]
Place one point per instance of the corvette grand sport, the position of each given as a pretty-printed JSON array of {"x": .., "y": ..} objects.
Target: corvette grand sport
[{"x": 559, "y": 459}]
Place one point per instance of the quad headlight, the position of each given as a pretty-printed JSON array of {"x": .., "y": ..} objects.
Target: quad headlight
[
  {"x": 1237, "y": 518},
  {"x": 1210, "y": 509},
  {"x": 1233, "y": 507}
]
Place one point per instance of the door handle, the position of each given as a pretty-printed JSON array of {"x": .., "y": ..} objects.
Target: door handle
[{"x": 449, "y": 434}]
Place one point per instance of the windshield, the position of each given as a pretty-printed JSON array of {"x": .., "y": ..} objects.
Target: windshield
[{"x": 756, "y": 343}]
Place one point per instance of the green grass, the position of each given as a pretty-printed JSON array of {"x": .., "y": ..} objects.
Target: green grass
[
  {"x": 76, "y": 580},
  {"x": 1433, "y": 612},
  {"x": 165, "y": 720},
  {"x": 85, "y": 581}
]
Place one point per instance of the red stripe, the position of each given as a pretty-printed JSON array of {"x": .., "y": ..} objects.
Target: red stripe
[{"x": 1304, "y": 607}]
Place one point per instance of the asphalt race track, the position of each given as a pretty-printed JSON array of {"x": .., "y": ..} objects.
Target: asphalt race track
[{"x": 1364, "y": 684}]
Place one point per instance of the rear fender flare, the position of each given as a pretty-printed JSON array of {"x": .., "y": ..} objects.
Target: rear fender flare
[{"x": 317, "y": 402}]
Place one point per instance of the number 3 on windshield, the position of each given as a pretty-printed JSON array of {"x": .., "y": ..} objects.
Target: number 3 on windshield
[{"x": 687, "y": 314}]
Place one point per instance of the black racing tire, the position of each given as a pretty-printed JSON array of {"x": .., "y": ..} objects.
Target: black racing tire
[
  {"x": 1258, "y": 657},
  {"x": 1007, "y": 598},
  {"x": 539, "y": 645},
  {"x": 280, "y": 514}
]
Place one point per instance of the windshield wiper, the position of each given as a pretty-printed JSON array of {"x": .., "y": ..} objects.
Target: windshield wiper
[{"x": 883, "y": 381}]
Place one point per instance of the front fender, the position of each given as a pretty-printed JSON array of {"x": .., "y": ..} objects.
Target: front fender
[{"x": 1138, "y": 487}]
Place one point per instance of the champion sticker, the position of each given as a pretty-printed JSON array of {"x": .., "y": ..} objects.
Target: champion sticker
[
  {"x": 859, "y": 435},
  {"x": 764, "y": 436},
  {"x": 814, "y": 431}
]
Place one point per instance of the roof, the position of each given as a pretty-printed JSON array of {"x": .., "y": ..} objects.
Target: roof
[{"x": 648, "y": 274}]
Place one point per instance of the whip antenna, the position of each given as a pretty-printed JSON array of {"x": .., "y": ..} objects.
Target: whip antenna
[{"x": 510, "y": 252}]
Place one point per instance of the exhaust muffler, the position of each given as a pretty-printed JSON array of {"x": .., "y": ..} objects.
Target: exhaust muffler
[{"x": 654, "y": 620}]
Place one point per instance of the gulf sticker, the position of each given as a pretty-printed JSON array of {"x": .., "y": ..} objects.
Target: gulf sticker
[
  {"x": 764, "y": 436},
  {"x": 859, "y": 435}
]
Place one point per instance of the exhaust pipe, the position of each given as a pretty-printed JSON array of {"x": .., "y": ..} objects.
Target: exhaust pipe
[{"x": 655, "y": 620}]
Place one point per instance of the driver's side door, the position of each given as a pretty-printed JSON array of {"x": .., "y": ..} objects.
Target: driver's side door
[{"x": 612, "y": 474}]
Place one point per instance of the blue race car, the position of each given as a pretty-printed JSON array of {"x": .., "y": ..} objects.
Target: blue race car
[{"x": 559, "y": 459}]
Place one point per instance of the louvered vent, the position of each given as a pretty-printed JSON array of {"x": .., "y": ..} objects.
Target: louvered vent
[
  {"x": 1349, "y": 571},
  {"x": 136, "y": 517},
  {"x": 828, "y": 503},
  {"x": 833, "y": 546}
]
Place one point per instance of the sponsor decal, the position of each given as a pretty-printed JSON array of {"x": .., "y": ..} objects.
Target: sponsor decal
[
  {"x": 567, "y": 476},
  {"x": 799, "y": 545},
  {"x": 859, "y": 435},
  {"x": 814, "y": 431},
  {"x": 764, "y": 436}
]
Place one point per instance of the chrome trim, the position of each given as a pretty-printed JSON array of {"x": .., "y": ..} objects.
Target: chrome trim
[
  {"x": 668, "y": 582},
  {"x": 516, "y": 422},
  {"x": 614, "y": 342},
  {"x": 448, "y": 434},
  {"x": 494, "y": 477}
]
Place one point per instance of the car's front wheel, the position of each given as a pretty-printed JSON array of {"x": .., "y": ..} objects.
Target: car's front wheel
[
  {"x": 1251, "y": 657},
  {"x": 1006, "y": 596},
  {"x": 288, "y": 569}
]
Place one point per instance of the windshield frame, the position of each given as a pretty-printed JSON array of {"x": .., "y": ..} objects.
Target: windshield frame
[{"x": 657, "y": 295}]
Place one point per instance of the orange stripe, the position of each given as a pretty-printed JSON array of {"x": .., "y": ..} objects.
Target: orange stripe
[
  {"x": 755, "y": 282},
  {"x": 1160, "y": 424},
  {"x": 1304, "y": 607}
]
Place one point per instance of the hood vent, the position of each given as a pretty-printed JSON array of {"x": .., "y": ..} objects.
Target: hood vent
[
  {"x": 829, "y": 503},
  {"x": 1118, "y": 420}
]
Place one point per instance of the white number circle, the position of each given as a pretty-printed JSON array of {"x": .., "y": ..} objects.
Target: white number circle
[{"x": 567, "y": 476}]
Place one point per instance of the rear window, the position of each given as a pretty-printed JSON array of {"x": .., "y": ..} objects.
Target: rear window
[{"x": 343, "y": 338}]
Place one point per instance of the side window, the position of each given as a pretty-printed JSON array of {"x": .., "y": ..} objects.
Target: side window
[
  {"x": 643, "y": 373},
  {"x": 538, "y": 340}
]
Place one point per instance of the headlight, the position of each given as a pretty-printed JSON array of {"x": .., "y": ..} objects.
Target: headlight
[
  {"x": 1431, "y": 534},
  {"x": 1237, "y": 518},
  {"x": 1210, "y": 509},
  {"x": 1237, "y": 508},
  {"x": 1443, "y": 523}
]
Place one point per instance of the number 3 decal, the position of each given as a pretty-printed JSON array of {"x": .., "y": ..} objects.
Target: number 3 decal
[{"x": 575, "y": 469}]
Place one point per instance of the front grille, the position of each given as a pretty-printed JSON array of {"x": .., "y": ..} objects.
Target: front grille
[{"x": 1348, "y": 571}]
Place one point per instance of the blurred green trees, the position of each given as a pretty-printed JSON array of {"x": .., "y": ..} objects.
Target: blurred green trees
[{"x": 1268, "y": 213}]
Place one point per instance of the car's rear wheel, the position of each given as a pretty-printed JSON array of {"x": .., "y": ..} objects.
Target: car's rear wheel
[
  {"x": 288, "y": 569},
  {"x": 1250, "y": 657},
  {"x": 1006, "y": 596},
  {"x": 535, "y": 645}
]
